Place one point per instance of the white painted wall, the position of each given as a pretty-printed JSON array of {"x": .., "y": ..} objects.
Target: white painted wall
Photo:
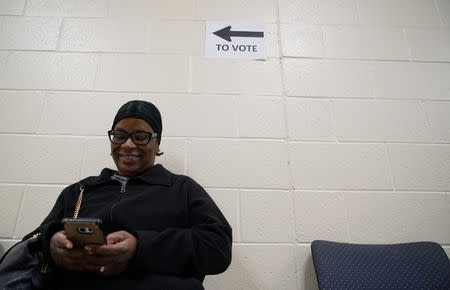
[{"x": 342, "y": 133}]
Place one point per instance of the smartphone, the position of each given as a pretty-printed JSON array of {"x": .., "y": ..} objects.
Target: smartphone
[{"x": 82, "y": 231}]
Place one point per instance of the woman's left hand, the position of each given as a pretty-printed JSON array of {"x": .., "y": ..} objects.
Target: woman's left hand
[{"x": 114, "y": 257}]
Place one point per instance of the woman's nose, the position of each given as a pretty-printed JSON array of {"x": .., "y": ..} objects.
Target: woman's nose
[{"x": 128, "y": 143}]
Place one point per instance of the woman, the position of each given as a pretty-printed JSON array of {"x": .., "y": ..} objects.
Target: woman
[{"x": 163, "y": 231}]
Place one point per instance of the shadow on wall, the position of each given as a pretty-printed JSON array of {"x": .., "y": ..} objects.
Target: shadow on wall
[
  {"x": 249, "y": 271},
  {"x": 310, "y": 280},
  {"x": 236, "y": 277}
]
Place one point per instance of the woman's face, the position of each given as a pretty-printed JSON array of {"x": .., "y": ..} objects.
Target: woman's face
[{"x": 132, "y": 159}]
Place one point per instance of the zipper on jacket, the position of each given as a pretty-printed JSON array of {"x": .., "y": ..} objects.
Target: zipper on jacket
[
  {"x": 123, "y": 181},
  {"x": 123, "y": 189}
]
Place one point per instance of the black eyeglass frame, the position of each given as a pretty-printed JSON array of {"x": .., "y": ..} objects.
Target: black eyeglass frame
[{"x": 131, "y": 135}]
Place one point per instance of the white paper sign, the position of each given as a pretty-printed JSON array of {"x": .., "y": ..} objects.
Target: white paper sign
[{"x": 235, "y": 40}]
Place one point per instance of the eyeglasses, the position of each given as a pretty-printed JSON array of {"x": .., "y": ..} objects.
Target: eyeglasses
[{"x": 138, "y": 137}]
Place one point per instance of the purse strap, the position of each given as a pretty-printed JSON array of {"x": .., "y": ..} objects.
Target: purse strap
[
  {"x": 44, "y": 266},
  {"x": 80, "y": 199}
]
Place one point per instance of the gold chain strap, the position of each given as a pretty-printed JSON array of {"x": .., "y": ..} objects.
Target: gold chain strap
[
  {"x": 75, "y": 213},
  {"x": 77, "y": 207}
]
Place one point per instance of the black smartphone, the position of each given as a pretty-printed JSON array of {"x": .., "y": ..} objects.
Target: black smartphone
[{"x": 82, "y": 231}]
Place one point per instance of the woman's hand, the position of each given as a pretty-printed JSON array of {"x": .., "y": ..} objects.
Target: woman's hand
[
  {"x": 114, "y": 257},
  {"x": 110, "y": 259},
  {"x": 68, "y": 257}
]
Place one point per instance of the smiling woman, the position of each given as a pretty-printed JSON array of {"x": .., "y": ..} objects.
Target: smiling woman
[
  {"x": 163, "y": 231},
  {"x": 133, "y": 152}
]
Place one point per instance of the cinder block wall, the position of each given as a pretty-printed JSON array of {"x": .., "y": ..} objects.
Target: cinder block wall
[{"x": 342, "y": 133}]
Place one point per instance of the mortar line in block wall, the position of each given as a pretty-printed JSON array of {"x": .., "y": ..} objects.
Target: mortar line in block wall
[
  {"x": 293, "y": 244},
  {"x": 286, "y": 138},
  {"x": 21, "y": 205},
  {"x": 121, "y": 92},
  {"x": 408, "y": 48},
  {"x": 445, "y": 245},
  {"x": 189, "y": 78},
  {"x": 107, "y": 9},
  {"x": 362, "y": 191},
  {"x": 368, "y": 59},
  {"x": 324, "y": 42},
  {"x": 213, "y": 94},
  {"x": 236, "y": 116},
  {"x": 428, "y": 143},
  {"x": 94, "y": 52},
  {"x": 54, "y": 16},
  {"x": 187, "y": 144},
  {"x": 58, "y": 40},
  {"x": 8, "y": 239},
  {"x": 45, "y": 184},
  {"x": 239, "y": 220},
  {"x": 334, "y": 98},
  {"x": 34, "y": 184},
  {"x": 427, "y": 120},
  {"x": 358, "y": 13},
  {"x": 97, "y": 73},
  {"x": 99, "y": 53},
  {"x": 303, "y": 244},
  {"x": 43, "y": 109},
  {"x": 118, "y": 92},
  {"x": 83, "y": 157},
  {"x": 390, "y": 169},
  {"x": 308, "y": 244},
  {"x": 221, "y": 94},
  {"x": 347, "y": 217},
  {"x": 25, "y": 7},
  {"x": 333, "y": 119},
  {"x": 436, "y": 6},
  {"x": 89, "y": 52}
]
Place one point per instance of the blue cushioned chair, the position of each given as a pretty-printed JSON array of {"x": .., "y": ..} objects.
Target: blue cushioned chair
[{"x": 420, "y": 265}]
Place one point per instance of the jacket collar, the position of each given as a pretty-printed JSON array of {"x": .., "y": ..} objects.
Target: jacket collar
[{"x": 156, "y": 175}]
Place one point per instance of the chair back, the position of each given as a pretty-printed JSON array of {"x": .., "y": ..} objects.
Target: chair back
[{"x": 419, "y": 265}]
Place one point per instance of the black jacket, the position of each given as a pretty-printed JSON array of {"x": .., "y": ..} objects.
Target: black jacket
[{"x": 182, "y": 235}]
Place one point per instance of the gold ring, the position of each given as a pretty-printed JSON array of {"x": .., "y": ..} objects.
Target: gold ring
[{"x": 102, "y": 269}]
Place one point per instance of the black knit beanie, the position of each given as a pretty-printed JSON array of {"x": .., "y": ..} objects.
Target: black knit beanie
[{"x": 141, "y": 110}]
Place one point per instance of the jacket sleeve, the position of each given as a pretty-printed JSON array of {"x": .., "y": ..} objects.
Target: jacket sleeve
[{"x": 204, "y": 247}]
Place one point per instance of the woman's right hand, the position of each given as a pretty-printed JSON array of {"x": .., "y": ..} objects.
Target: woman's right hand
[{"x": 70, "y": 258}]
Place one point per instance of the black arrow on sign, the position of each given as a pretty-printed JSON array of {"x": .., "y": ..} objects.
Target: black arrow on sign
[{"x": 226, "y": 33}]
